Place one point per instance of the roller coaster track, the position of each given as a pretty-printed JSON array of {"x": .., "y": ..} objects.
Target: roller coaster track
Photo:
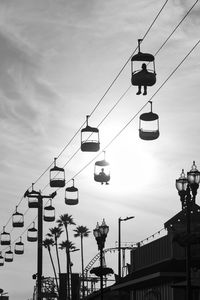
[{"x": 97, "y": 256}]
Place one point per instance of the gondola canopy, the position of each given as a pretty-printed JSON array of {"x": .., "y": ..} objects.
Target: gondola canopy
[
  {"x": 143, "y": 70},
  {"x": 17, "y": 219},
  {"x": 5, "y": 238},
  {"x": 71, "y": 195},
  {"x": 32, "y": 234},
  {"x": 90, "y": 138},
  {"x": 9, "y": 255},
  {"x": 32, "y": 197},
  {"x": 1, "y": 259},
  {"x": 49, "y": 213},
  {"x": 57, "y": 176},
  {"x": 149, "y": 125},
  {"x": 102, "y": 171},
  {"x": 19, "y": 247}
]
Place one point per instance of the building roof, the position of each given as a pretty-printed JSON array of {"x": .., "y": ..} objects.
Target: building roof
[
  {"x": 167, "y": 270},
  {"x": 179, "y": 220}
]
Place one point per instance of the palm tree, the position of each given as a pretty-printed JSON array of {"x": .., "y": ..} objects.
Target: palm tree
[
  {"x": 55, "y": 233},
  {"x": 47, "y": 243},
  {"x": 82, "y": 231},
  {"x": 66, "y": 220},
  {"x": 69, "y": 247}
]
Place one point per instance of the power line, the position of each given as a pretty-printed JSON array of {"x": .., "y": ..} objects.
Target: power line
[
  {"x": 127, "y": 124},
  {"x": 173, "y": 31},
  {"x": 120, "y": 100},
  {"x": 76, "y": 133},
  {"x": 106, "y": 92},
  {"x": 98, "y": 103}
]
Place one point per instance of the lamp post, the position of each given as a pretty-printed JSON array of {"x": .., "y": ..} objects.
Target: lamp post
[
  {"x": 40, "y": 197},
  {"x": 119, "y": 242},
  {"x": 100, "y": 234},
  {"x": 187, "y": 189}
]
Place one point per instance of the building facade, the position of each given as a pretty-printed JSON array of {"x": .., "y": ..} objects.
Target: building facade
[{"x": 158, "y": 269}]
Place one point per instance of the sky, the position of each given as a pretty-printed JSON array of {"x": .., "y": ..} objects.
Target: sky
[{"x": 57, "y": 61}]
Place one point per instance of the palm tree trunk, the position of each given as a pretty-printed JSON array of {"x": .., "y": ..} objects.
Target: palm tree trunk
[
  {"x": 68, "y": 274},
  {"x": 58, "y": 259},
  {"x": 54, "y": 269},
  {"x": 68, "y": 265},
  {"x": 82, "y": 263}
]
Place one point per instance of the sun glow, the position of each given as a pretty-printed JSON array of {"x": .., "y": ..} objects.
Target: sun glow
[{"x": 131, "y": 168}]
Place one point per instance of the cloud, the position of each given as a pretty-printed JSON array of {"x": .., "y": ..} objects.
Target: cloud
[
  {"x": 23, "y": 93},
  {"x": 195, "y": 12}
]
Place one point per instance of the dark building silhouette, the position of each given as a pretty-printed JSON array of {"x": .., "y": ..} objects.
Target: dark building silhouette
[{"x": 158, "y": 268}]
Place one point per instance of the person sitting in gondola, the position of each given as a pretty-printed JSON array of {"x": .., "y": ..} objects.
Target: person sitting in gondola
[
  {"x": 103, "y": 176},
  {"x": 143, "y": 72}
]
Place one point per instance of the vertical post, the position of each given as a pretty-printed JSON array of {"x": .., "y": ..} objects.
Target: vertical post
[
  {"x": 123, "y": 261},
  {"x": 68, "y": 275},
  {"x": 119, "y": 248},
  {"x": 39, "y": 255},
  {"x": 101, "y": 277},
  {"x": 188, "y": 247}
]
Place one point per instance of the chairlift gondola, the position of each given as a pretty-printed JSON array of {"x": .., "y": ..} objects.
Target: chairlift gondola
[
  {"x": 32, "y": 197},
  {"x": 1, "y": 259},
  {"x": 17, "y": 219},
  {"x": 5, "y": 238},
  {"x": 57, "y": 176},
  {"x": 149, "y": 125},
  {"x": 90, "y": 138},
  {"x": 32, "y": 234},
  {"x": 19, "y": 247},
  {"x": 71, "y": 195},
  {"x": 102, "y": 171},
  {"x": 49, "y": 213},
  {"x": 143, "y": 76},
  {"x": 9, "y": 255}
]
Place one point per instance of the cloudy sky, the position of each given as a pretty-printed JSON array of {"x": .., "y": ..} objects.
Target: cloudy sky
[{"x": 57, "y": 60}]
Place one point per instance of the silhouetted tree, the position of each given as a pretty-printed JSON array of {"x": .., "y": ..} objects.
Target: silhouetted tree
[
  {"x": 48, "y": 243},
  {"x": 55, "y": 233},
  {"x": 82, "y": 231},
  {"x": 64, "y": 221}
]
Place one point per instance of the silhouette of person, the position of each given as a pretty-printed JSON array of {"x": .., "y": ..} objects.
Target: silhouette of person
[
  {"x": 103, "y": 176},
  {"x": 143, "y": 71},
  {"x": 102, "y": 173}
]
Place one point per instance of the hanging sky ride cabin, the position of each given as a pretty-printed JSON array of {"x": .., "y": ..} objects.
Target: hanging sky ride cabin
[
  {"x": 71, "y": 195},
  {"x": 17, "y": 219},
  {"x": 90, "y": 138},
  {"x": 32, "y": 234},
  {"x": 57, "y": 176},
  {"x": 149, "y": 125},
  {"x": 49, "y": 213},
  {"x": 9, "y": 255},
  {"x": 19, "y": 247},
  {"x": 1, "y": 260},
  {"x": 139, "y": 75},
  {"x": 102, "y": 171},
  {"x": 5, "y": 238},
  {"x": 32, "y": 197}
]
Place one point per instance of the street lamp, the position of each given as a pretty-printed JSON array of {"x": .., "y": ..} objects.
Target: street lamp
[
  {"x": 100, "y": 234},
  {"x": 187, "y": 189},
  {"x": 119, "y": 242}
]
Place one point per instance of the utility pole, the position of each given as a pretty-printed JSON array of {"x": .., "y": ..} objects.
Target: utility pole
[
  {"x": 119, "y": 242},
  {"x": 40, "y": 197}
]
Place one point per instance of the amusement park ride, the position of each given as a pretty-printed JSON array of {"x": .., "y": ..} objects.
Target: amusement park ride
[
  {"x": 141, "y": 76},
  {"x": 90, "y": 279}
]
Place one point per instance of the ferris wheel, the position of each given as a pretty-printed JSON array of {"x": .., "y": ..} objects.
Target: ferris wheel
[{"x": 97, "y": 257}]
